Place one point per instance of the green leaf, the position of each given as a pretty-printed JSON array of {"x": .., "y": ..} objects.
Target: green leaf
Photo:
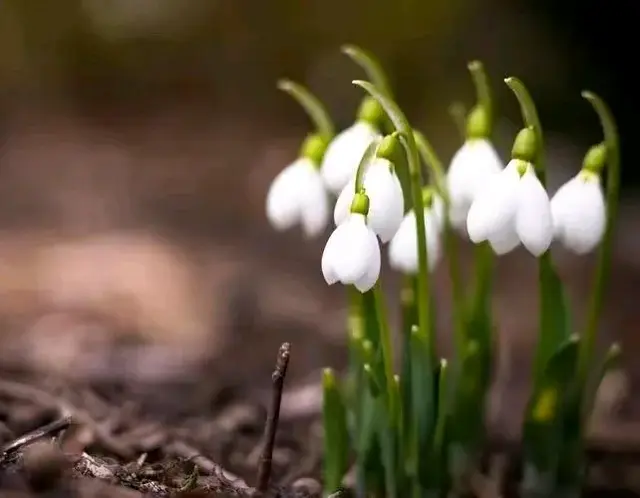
[
  {"x": 581, "y": 400},
  {"x": 555, "y": 323},
  {"x": 423, "y": 404},
  {"x": 466, "y": 426},
  {"x": 336, "y": 436},
  {"x": 542, "y": 431}
]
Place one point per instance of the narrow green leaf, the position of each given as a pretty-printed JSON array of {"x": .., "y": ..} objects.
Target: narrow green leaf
[
  {"x": 542, "y": 431},
  {"x": 336, "y": 437},
  {"x": 466, "y": 426},
  {"x": 571, "y": 469},
  {"x": 555, "y": 323},
  {"x": 423, "y": 403}
]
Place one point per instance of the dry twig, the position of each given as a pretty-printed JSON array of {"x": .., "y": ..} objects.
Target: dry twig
[{"x": 271, "y": 426}]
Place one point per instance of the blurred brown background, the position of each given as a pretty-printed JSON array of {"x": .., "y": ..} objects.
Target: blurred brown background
[{"x": 139, "y": 137}]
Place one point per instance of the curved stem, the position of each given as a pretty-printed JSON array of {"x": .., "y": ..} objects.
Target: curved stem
[
  {"x": 431, "y": 159},
  {"x": 401, "y": 123},
  {"x": 312, "y": 106},
  {"x": 433, "y": 162},
  {"x": 368, "y": 155},
  {"x": 483, "y": 90},
  {"x": 612, "y": 144},
  {"x": 371, "y": 66},
  {"x": 531, "y": 119},
  {"x": 458, "y": 113}
]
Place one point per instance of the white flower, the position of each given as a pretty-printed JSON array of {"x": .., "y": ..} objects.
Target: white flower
[
  {"x": 512, "y": 208},
  {"x": 384, "y": 191},
  {"x": 403, "y": 249},
  {"x": 579, "y": 213},
  {"x": 344, "y": 153},
  {"x": 297, "y": 195},
  {"x": 352, "y": 255},
  {"x": 471, "y": 168}
]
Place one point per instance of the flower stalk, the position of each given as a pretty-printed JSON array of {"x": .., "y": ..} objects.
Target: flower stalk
[
  {"x": 612, "y": 144},
  {"x": 415, "y": 175}
]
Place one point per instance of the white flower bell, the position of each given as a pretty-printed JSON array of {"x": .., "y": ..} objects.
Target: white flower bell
[
  {"x": 579, "y": 213},
  {"x": 386, "y": 208},
  {"x": 403, "y": 249},
  {"x": 513, "y": 208},
  {"x": 352, "y": 253},
  {"x": 344, "y": 153},
  {"x": 297, "y": 196},
  {"x": 471, "y": 168}
]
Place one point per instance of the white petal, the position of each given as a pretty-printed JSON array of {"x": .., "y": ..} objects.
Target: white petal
[
  {"x": 342, "y": 209},
  {"x": 472, "y": 165},
  {"x": 505, "y": 241},
  {"x": 329, "y": 255},
  {"x": 403, "y": 252},
  {"x": 282, "y": 205},
  {"x": 403, "y": 249},
  {"x": 386, "y": 203},
  {"x": 494, "y": 208},
  {"x": 369, "y": 279},
  {"x": 344, "y": 153},
  {"x": 533, "y": 220},
  {"x": 579, "y": 213},
  {"x": 314, "y": 202},
  {"x": 355, "y": 249}
]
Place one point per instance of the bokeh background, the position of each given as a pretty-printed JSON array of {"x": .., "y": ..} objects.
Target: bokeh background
[{"x": 138, "y": 139}]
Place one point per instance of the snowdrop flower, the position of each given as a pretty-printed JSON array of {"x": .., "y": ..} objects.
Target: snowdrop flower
[
  {"x": 347, "y": 148},
  {"x": 352, "y": 253},
  {"x": 298, "y": 196},
  {"x": 579, "y": 214},
  {"x": 386, "y": 207},
  {"x": 470, "y": 169},
  {"x": 513, "y": 208},
  {"x": 403, "y": 249}
]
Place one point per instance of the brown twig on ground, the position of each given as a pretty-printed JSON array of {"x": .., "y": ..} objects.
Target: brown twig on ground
[
  {"x": 271, "y": 426},
  {"x": 44, "y": 399},
  {"x": 31, "y": 437}
]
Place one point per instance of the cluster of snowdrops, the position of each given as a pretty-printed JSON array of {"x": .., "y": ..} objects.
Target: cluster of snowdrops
[{"x": 422, "y": 431}]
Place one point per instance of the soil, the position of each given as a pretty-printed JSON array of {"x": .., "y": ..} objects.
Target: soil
[{"x": 105, "y": 439}]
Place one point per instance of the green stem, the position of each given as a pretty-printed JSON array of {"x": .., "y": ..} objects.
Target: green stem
[
  {"x": 371, "y": 66},
  {"x": 387, "y": 349},
  {"x": 433, "y": 162},
  {"x": 612, "y": 144},
  {"x": 415, "y": 174},
  {"x": 366, "y": 158},
  {"x": 458, "y": 113},
  {"x": 312, "y": 105},
  {"x": 531, "y": 119},
  {"x": 431, "y": 159},
  {"x": 483, "y": 90}
]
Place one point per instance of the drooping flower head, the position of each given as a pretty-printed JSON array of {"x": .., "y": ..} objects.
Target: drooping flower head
[
  {"x": 346, "y": 149},
  {"x": 297, "y": 194},
  {"x": 471, "y": 167},
  {"x": 578, "y": 207},
  {"x": 513, "y": 207},
  {"x": 352, "y": 253},
  {"x": 403, "y": 249}
]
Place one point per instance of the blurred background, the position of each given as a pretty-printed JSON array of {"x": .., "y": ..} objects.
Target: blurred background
[{"x": 138, "y": 139}]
